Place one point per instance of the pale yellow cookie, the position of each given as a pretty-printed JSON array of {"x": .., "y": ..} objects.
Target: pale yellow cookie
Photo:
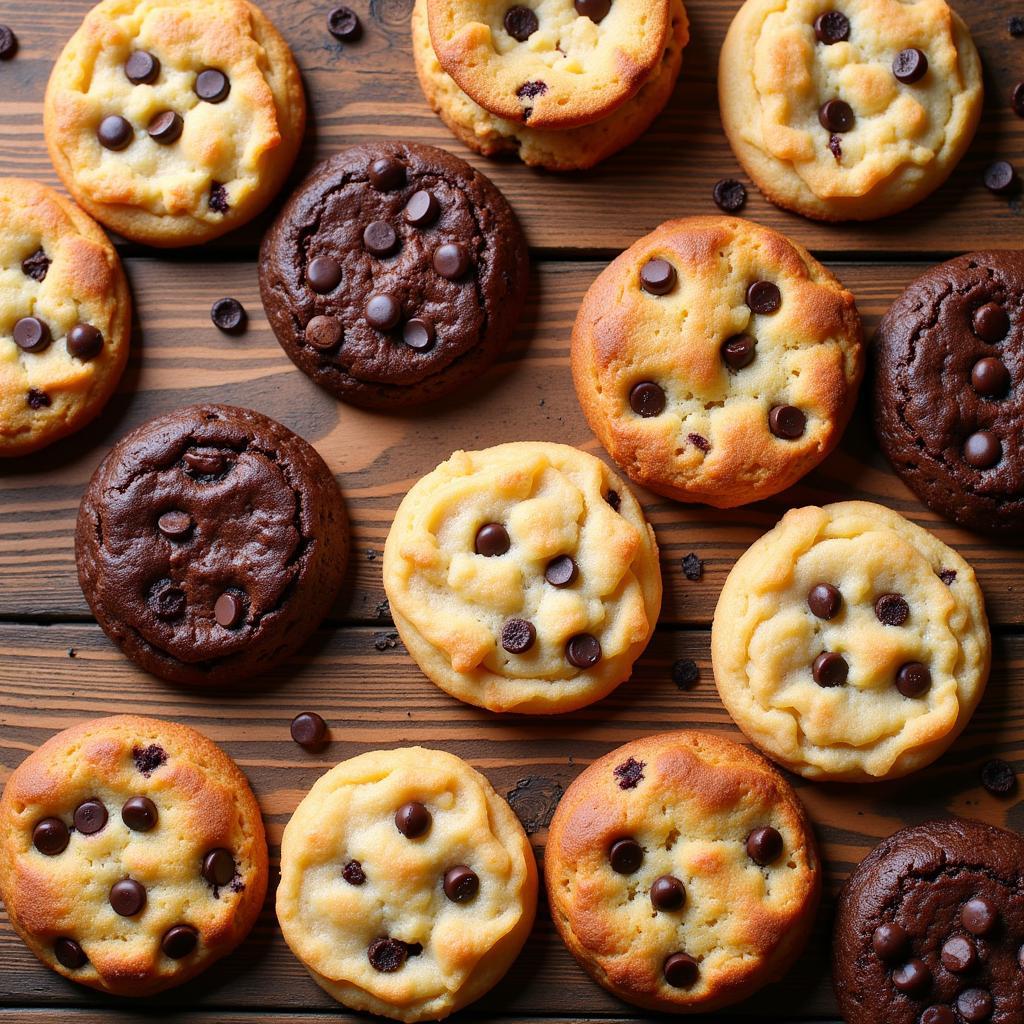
[
  {"x": 903, "y": 84},
  {"x": 850, "y": 644},
  {"x": 408, "y": 886},
  {"x": 200, "y": 109},
  {"x": 523, "y": 577},
  {"x": 65, "y": 317}
]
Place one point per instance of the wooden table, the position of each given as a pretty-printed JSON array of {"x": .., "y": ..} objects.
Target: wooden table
[{"x": 57, "y": 667}]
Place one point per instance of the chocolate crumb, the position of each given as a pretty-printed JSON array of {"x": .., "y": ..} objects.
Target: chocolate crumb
[
  {"x": 998, "y": 777},
  {"x": 383, "y": 609},
  {"x": 685, "y": 673},
  {"x": 947, "y": 576},
  {"x": 219, "y": 198},
  {"x": 148, "y": 759},
  {"x": 72, "y": 653},
  {"x": 699, "y": 441},
  {"x": 630, "y": 773},
  {"x": 693, "y": 567},
  {"x": 1016, "y": 26},
  {"x": 385, "y": 641},
  {"x": 38, "y": 399},
  {"x": 835, "y": 146}
]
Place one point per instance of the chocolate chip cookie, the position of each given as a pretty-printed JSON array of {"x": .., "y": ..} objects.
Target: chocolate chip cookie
[
  {"x": 682, "y": 872},
  {"x": 523, "y": 577},
  {"x": 66, "y": 321},
  {"x": 394, "y": 275},
  {"x": 930, "y": 928},
  {"x": 211, "y": 542},
  {"x": 173, "y": 121},
  {"x": 948, "y": 389},
  {"x": 132, "y": 854},
  {"x": 408, "y": 886}
]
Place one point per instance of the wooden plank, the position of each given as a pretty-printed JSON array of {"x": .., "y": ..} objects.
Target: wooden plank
[
  {"x": 183, "y": 359},
  {"x": 67, "y": 1015},
  {"x": 368, "y": 90},
  {"x": 371, "y": 696}
]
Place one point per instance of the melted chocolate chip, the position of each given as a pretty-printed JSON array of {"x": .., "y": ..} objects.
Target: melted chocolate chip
[
  {"x": 681, "y": 970},
  {"x": 114, "y": 132},
  {"x": 383, "y": 311},
  {"x": 630, "y": 773},
  {"x": 166, "y": 127},
  {"x": 139, "y": 813},
  {"x": 561, "y": 571},
  {"x": 142, "y": 68},
  {"x": 890, "y": 942},
  {"x": 343, "y": 23},
  {"x": 388, "y": 955},
  {"x": 84, "y": 342},
  {"x": 830, "y": 669},
  {"x": 647, "y": 399},
  {"x": 51, "y": 836},
  {"x": 625, "y": 856},
  {"x": 910, "y": 66},
  {"x": 218, "y": 867},
  {"x": 764, "y": 845},
  {"x": 324, "y": 333},
  {"x": 832, "y": 27},
  {"x": 179, "y": 941},
  {"x": 518, "y": 636},
  {"x": 212, "y": 86},
  {"x": 36, "y": 265},
  {"x": 419, "y": 334},
  {"x": 990, "y": 322},
  {"x": 613, "y": 499},
  {"x": 37, "y": 399},
  {"x": 913, "y": 679},
  {"x": 308, "y": 729},
  {"x": 668, "y": 893},
  {"x": 979, "y": 916},
  {"x": 836, "y": 116},
  {"x": 491, "y": 540},
  {"x": 658, "y": 277},
  {"x": 228, "y": 315},
  {"x": 69, "y": 954},
  {"x": 353, "y": 873},
  {"x": 787, "y": 422},
  {"x": 892, "y": 610},
  {"x": 764, "y": 297},
  {"x": 460, "y": 884},
  {"x": 583, "y": 651},
  {"x": 913, "y": 976},
  {"x": 422, "y": 209},
  {"x": 148, "y": 759},
  {"x": 530, "y": 90},
  {"x": 958, "y": 954},
  {"x": 824, "y": 600},
  {"x": 204, "y": 463},
  {"x": 167, "y": 601},
  {"x": 412, "y": 819},
  {"x": 386, "y": 174},
  {"x": 729, "y": 195},
  {"x": 738, "y": 351},
  {"x": 90, "y": 817},
  {"x": 520, "y": 23},
  {"x": 127, "y": 897}
]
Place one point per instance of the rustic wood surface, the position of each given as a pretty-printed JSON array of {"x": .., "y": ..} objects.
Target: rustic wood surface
[{"x": 56, "y": 667}]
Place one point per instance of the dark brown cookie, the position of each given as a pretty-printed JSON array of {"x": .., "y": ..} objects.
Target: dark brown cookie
[
  {"x": 930, "y": 927},
  {"x": 394, "y": 275},
  {"x": 211, "y": 542},
  {"x": 948, "y": 389}
]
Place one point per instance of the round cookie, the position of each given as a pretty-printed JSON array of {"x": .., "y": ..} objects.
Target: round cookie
[
  {"x": 408, "y": 886},
  {"x": 394, "y": 275},
  {"x": 849, "y": 110},
  {"x": 211, "y": 542},
  {"x": 557, "y": 150},
  {"x": 132, "y": 854},
  {"x": 523, "y": 577},
  {"x": 948, "y": 398},
  {"x": 65, "y": 317},
  {"x": 930, "y": 928},
  {"x": 717, "y": 361},
  {"x": 850, "y": 644},
  {"x": 174, "y": 121},
  {"x": 682, "y": 872}
]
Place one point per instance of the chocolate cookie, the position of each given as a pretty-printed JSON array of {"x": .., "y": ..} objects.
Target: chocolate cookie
[
  {"x": 211, "y": 542},
  {"x": 394, "y": 275},
  {"x": 950, "y": 406},
  {"x": 930, "y": 928}
]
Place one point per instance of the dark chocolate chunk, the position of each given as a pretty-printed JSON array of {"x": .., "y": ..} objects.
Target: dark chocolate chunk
[
  {"x": 685, "y": 673},
  {"x": 658, "y": 277},
  {"x": 832, "y": 27},
  {"x": 343, "y": 23},
  {"x": 764, "y": 297},
  {"x": 84, "y": 342},
  {"x": 909, "y": 66},
  {"x": 561, "y": 571},
  {"x": 583, "y": 651},
  {"x": 228, "y": 315},
  {"x": 212, "y": 86},
  {"x": 730, "y": 195},
  {"x": 681, "y": 970},
  {"x": 892, "y": 610},
  {"x": 520, "y": 23},
  {"x": 353, "y": 873},
  {"x": 69, "y": 954},
  {"x": 308, "y": 729},
  {"x": 90, "y": 817},
  {"x": 693, "y": 567},
  {"x": 114, "y": 132},
  {"x": 218, "y": 867},
  {"x": 998, "y": 777},
  {"x": 166, "y": 127},
  {"x": 518, "y": 636},
  {"x": 142, "y": 68},
  {"x": 836, "y": 116},
  {"x": 630, "y": 773},
  {"x": 913, "y": 679}
]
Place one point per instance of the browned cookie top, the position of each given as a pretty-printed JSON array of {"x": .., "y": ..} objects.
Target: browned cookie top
[
  {"x": 930, "y": 928},
  {"x": 948, "y": 388},
  {"x": 394, "y": 274}
]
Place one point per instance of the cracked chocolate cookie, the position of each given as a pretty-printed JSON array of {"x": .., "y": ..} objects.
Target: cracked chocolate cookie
[
  {"x": 394, "y": 275},
  {"x": 132, "y": 854},
  {"x": 408, "y": 886},
  {"x": 930, "y": 928},
  {"x": 949, "y": 389},
  {"x": 211, "y": 542}
]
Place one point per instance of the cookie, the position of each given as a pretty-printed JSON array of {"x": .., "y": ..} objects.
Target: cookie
[
  {"x": 523, "y": 577},
  {"x": 132, "y": 854},
  {"x": 557, "y": 150},
  {"x": 682, "y": 872},
  {"x": 717, "y": 361},
  {"x": 853, "y": 111},
  {"x": 930, "y": 928},
  {"x": 408, "y": 886},
  {"x": 394, "y": 275},
  {"x": 948, "y": 398},
  {"x": 850, "y": 644},
  {"x": 211, "y": 542},
  {"x": 174, "y": 121},
  {"x": 66, "y": 317}
]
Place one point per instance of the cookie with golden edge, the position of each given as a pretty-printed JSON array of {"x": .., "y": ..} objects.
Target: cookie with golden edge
[
  {"x": 65, "y": 317},
  {"x": 523, "y": 577},
  {"x": 408, "y": 886},
  {"x": 717, "y": 361},
  {"x": 682, "y": 872},
  {"x": 132, "y": 854},
  {"x": 850, "y": 644},
  {"x": 174, "y": 121},
  {"x": 849, "y": 110}
]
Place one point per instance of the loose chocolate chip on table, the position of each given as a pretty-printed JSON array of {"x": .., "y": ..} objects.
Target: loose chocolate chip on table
[
  {"x": 1017, "y": 99},
  {"x": 38, "y": 399},
  {"x": 218, "y": 867},
  {"x": 228, "y": 315},
  {"x": 219, "y": 198},
  {"x": 938, "y": 1015},
  {"x": 84, "y": 342},
  {"x": 982, "y": 449},
  {"x": 685, "y": 673},
  {"x": 491, "y": 540},
  {"x": 1015, "y": 26},
  {"x": 69, "y": 954},
  {"x": 383, "y": 311},
  {"x": 890, "y": 942},
  {"x": 114, "y": 132},
  {"x": 625, "y": 856},
  {"x": 647, "y": 399},
  {"x": 830, "y": 669},
  {"x": 595, "y": 10},
  {"x": 681, "y": 970},
  {"x": 51, "y": 836},
  {"x": 1000, "y": 177},
  {"x": 583, "y": 650},
  {"x": 613, "y": 499},
  {"x": 892, "y": 610},
  {"x": 630, "y": 773},
  {"x": 518, "y": 636},
  {"x": 8, "y": 43},
  {"x": 90, "y": 817},
  {"x": 308, "y": 729},
  {"x": 990, "y": 377},
  {"x": 764, "y": 297},
  {"x": 787, "y": 422},
  {"x": 913, "y": 679},
  {"x": 979, "y": 915},
  {"x": 353, "y": 873},
  {"x": 764, "y": 845},
  {"x": 179, "y": 941},
  {"x": 412, "y": 819},
  {"x": 913, "y": 976},
  {"x": 974, "y": 1004},
  {"x": 998, "y": 777},
  {"x": 657, "y": 277},
  {"x": 729, "y": 195},
  {"x": 387, "y": 955},
  {"x": 379, "y": 238},
  {"x": 139, "y": 813},
  {"x": 738, "y": 351},
  {"x": 836, "y": 116},
  {"x": 990, "y": 322},
  {"x": 343, "y": 23},
  {"x": 824, "y": 600},
  {"x": 909, "y": 66},
  {"x": 324, "y": 332},
  {"x": 31, "y": 334},
  {"x": 958, "y": 954},
  {"x": 451, "y": 260},
  {"x": 668, "y": 893},
  {"x": 127, "y": 897},
  {"x": 36, "y": 265},
  {"x": 323, "y": 274},
  {"x": 228, "y": 610},
  {"x": 142, "y": 68},
  {"x": 693, "y": 567},
  {"x": 386, "y": 173},
  {"x": 166, "y": 127},
  {"x": 832, "y": 27},
  {"x": 148, "y": 759},
  {"x": 520, "y": 23},
  {"x": 204, "y": 463},
  {"x": 212, "y": 86},
  {"x": 561, "y": 571},
  {"x": 419, "y": 334},
  {"x": 460, "y": 883},
  {"x": 422, "y": 209}
]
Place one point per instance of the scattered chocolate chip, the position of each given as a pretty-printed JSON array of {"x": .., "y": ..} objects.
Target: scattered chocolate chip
[
  {"x": 958, "y": 954},
  {"x": 114, "y": 132},
  {"x": 913, "y": 976},
  {"x": 36, "y": 265},
  {"x": 166, "y": 127},
  {"x": 561, "y": 571},
  {"x": 613, "y": 499},
  {"x": 218, "y": 867},
  {"x": 412, "y": 819},
  {"x": 764, "y": 297},
  {"x": 343, "y": 23},
  {"x": 835, "y": 147},
  {"x": 825, "y": 600},
  {"x": 668, "y": 893},
  {"x": 422, "y": 209},
  {"x": 353, "y": 873},
  {"x": 990, "y": 377},
  {"x": 8, "y": 43},
  {"x": 212, "y": 86},
  {"x": 84, "y": 342},
  {"x": 890, "y": 942},
  {"x": 323, "y": 274},
  {"x": 32, "y": 334},
  {"x": 386, "y": 174},
  {"x": 625, "y": 856},
  {"x": 520, "y": 23},
  {"x": 451, "y": 261},
  {"x": 308, "y": 729},
  {"x": 947, "y": 576},
  {"x": 693, "y": 567},
  {"x": 179, "y": 941},
  {"x": 142, "y": 68},
  {"x": 982, "y": 449},
  {"x": 685, "y": 673},
  {"x": 832, "y": 27},
  {"x": 938, "y": 1015},
  {"x": 1017, "y": 99},
  {"x": 913, "y": 679},
  {"x": 534, "y": 800},
  {"x": 730, "y": 195},
  {"x": 419, "y": 334},
  {"x": 518, "y": 636},
  {"x": 460, "y": 884},
  {"x": 219, "y": 198},
  {"x": 909, "y": 66},
  {"x": 383, "y": 311},
  {"x": 892, "y": 610},
  {"x": 127, "y": 897},
  {"x": 764, "y": 845},
  {"x": 148, "y": 759},
  {"x": 738, "y": 351},
  {"x": 51, "y": 836},
  {"x": 974, "y": 1004},
  {"x": 658, "y": 277},
  {"x": 836, "y": 116},
  {"x": 647, "y": 399},
  {"x": 998, "y": 777},
  {"x": 630, "y": 773},
  {"x": 324, "y": 332},
  {"x": 38, "y": 399},
  {"x": 379, "y": 238},
  {"x": 139, "y": 813},
  {"x": 1000, "y": 177},
  {"x": 787, "y": 422},
  {"x": 583, "y": 651},
  {"x": 699, "y": 441},
  {"x": 228, "y": 315},
  {"x": 69, "y": 954},
  {"x": 228, "y": 610},
  {"x": 388, "y": 955},
  {"x": 990, "y": 322},
  {"x": 979, "y": 916},
  {"x": 90, "y": 817},
  {"x": 595, "y": 10},
  {"x": 1015, "y": 26},
  {"x": 681, "y": 970},
  {"x": 830, "y": 669},
  {"x": 491, "y": 540}
]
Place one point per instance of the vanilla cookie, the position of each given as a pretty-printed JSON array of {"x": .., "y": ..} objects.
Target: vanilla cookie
[
  {"x": 849, "y": 111},
  {"x": 132, "y": 854},
  {"x": 717, "y": 361},
  {"x": 523, "y": 577},
  {"x": 408, "y": 886},
  {"x": 850, "y": 644},
  {"x": 174, "y": 121},
  {"x": 682, "y": 872}
]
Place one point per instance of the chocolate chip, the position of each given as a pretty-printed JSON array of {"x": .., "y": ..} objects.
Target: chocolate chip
[
  {"x": 738, "y": 351},
  {"x": 787, "y": 422},
  {"x": 139, "y": 813},
  {"x": 938, "y": 1015},
  {"x": 681, "y": 970},
  {"x": 764, "y": 297},
  {"x": 179, "y": 941},
  {"x": 324, "y": 332},
  {"x": 451, "y": 260},
  {"x": 764, "y": 845},
  {"x": 824, "y": 600},
  {"x": 388, "y": 955},
  {"x": 84, "y": 342},
  {"x": 658, "y": 277},
  {"x": 31, "y": 334},
  {"x": 835, "y": 147},
  {"x": 8, "y": 43},
  {"x": 353, "y": 873},
  {"x": 626, "y": 856},
  {"x": 90, "y": 817},
  {"x": 343, "y": 23},
  {"x": 383, "y": 311},
  {"x": 693, "y": 567},
  {"x": 114, "y": 132},
  {"x": 529, "y": 91},
  {"x": 1017, "y": 99},
  {"x": 947, "y": 576},
  {"x": 1000, "y": 177},
  {"x": 127, "y": 897},
  {"x": 218, "y": 198},
  {"x": 228, "y": 610},
  {"x": 982, "y": 449},
  {"x": 699, "y": 441},
  {"x": 166, "y": 127},
  {"x": 218, "y": 867},
  {"x": 412, "y": 819},
  {"x": 647, "y": 399},
  {"x": 38, "y": 399},
  {"x": 491, "y": 540},
  {"x": 890, "y": 942},
  {"x": 583, "y": 651},
  {"x": 730, "y": 195},
  {"x": 419, "y": 334},
  {"x": 974, "y": 1004},
  {"x": 830, "y": 669},
  {"x": 685, "y": 673},
  {"x": 836, "y": 116},
  {"x": 212, "y": 86},
  {"x": 148, "y": 759},
  {"x": 630, "y": 773},
  {"x": 832, "y": 27},
  {"x": 36, "y": 265},
  {"x": 913, "y": 976},
  {"x": 142, "y": 68},
  {"x": 958, "y": 954},
  {"x": 909, "y": 66},
  {"x": 913, "y": 679},
  {"x": 520, "y": 23},
  {"x": 323, "y": 274},
  {"x": 979, "y": 916},
  {"x": 308, "y": 729},
  {"x": 422, "y": 209},
  {"x": 990, "y": 322},
  {"x": 561, "y": 571},
  {"x": 379, "y": 238},
  {"x": 51, "y": 836},
  {"x": 69, "y": 954},
  {"x": 990, "y": 377},
  {"x": 668, "y": 893},
  {"x": 595, "y": 10},
  {"x": 998, "y": 777},
  {"x": 228, "y": 315},
  {"x": 460, "y": 884},
  {"x": 386, "y": 174},
  {"x": 613, "y": 499},
  {"x": 892, "y": 610},
  {"x": 204, "y": 463},
  {"x": 518, "y": 636},
  {"x": 1015, "y": 26}
]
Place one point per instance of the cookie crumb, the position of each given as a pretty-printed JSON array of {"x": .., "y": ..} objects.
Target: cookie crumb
[
  {"x": 1016, "y": 26},
  {"x": 998, "y": 777},
  {"x": 630, "y": 773},
  {"x": 685, "y": 673},
  {"x": 385, "y": 641},
  {"x": 383, "y": 609},
  {"x": 693, "y": 567},
  {"x": 371, "y": 555}
]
